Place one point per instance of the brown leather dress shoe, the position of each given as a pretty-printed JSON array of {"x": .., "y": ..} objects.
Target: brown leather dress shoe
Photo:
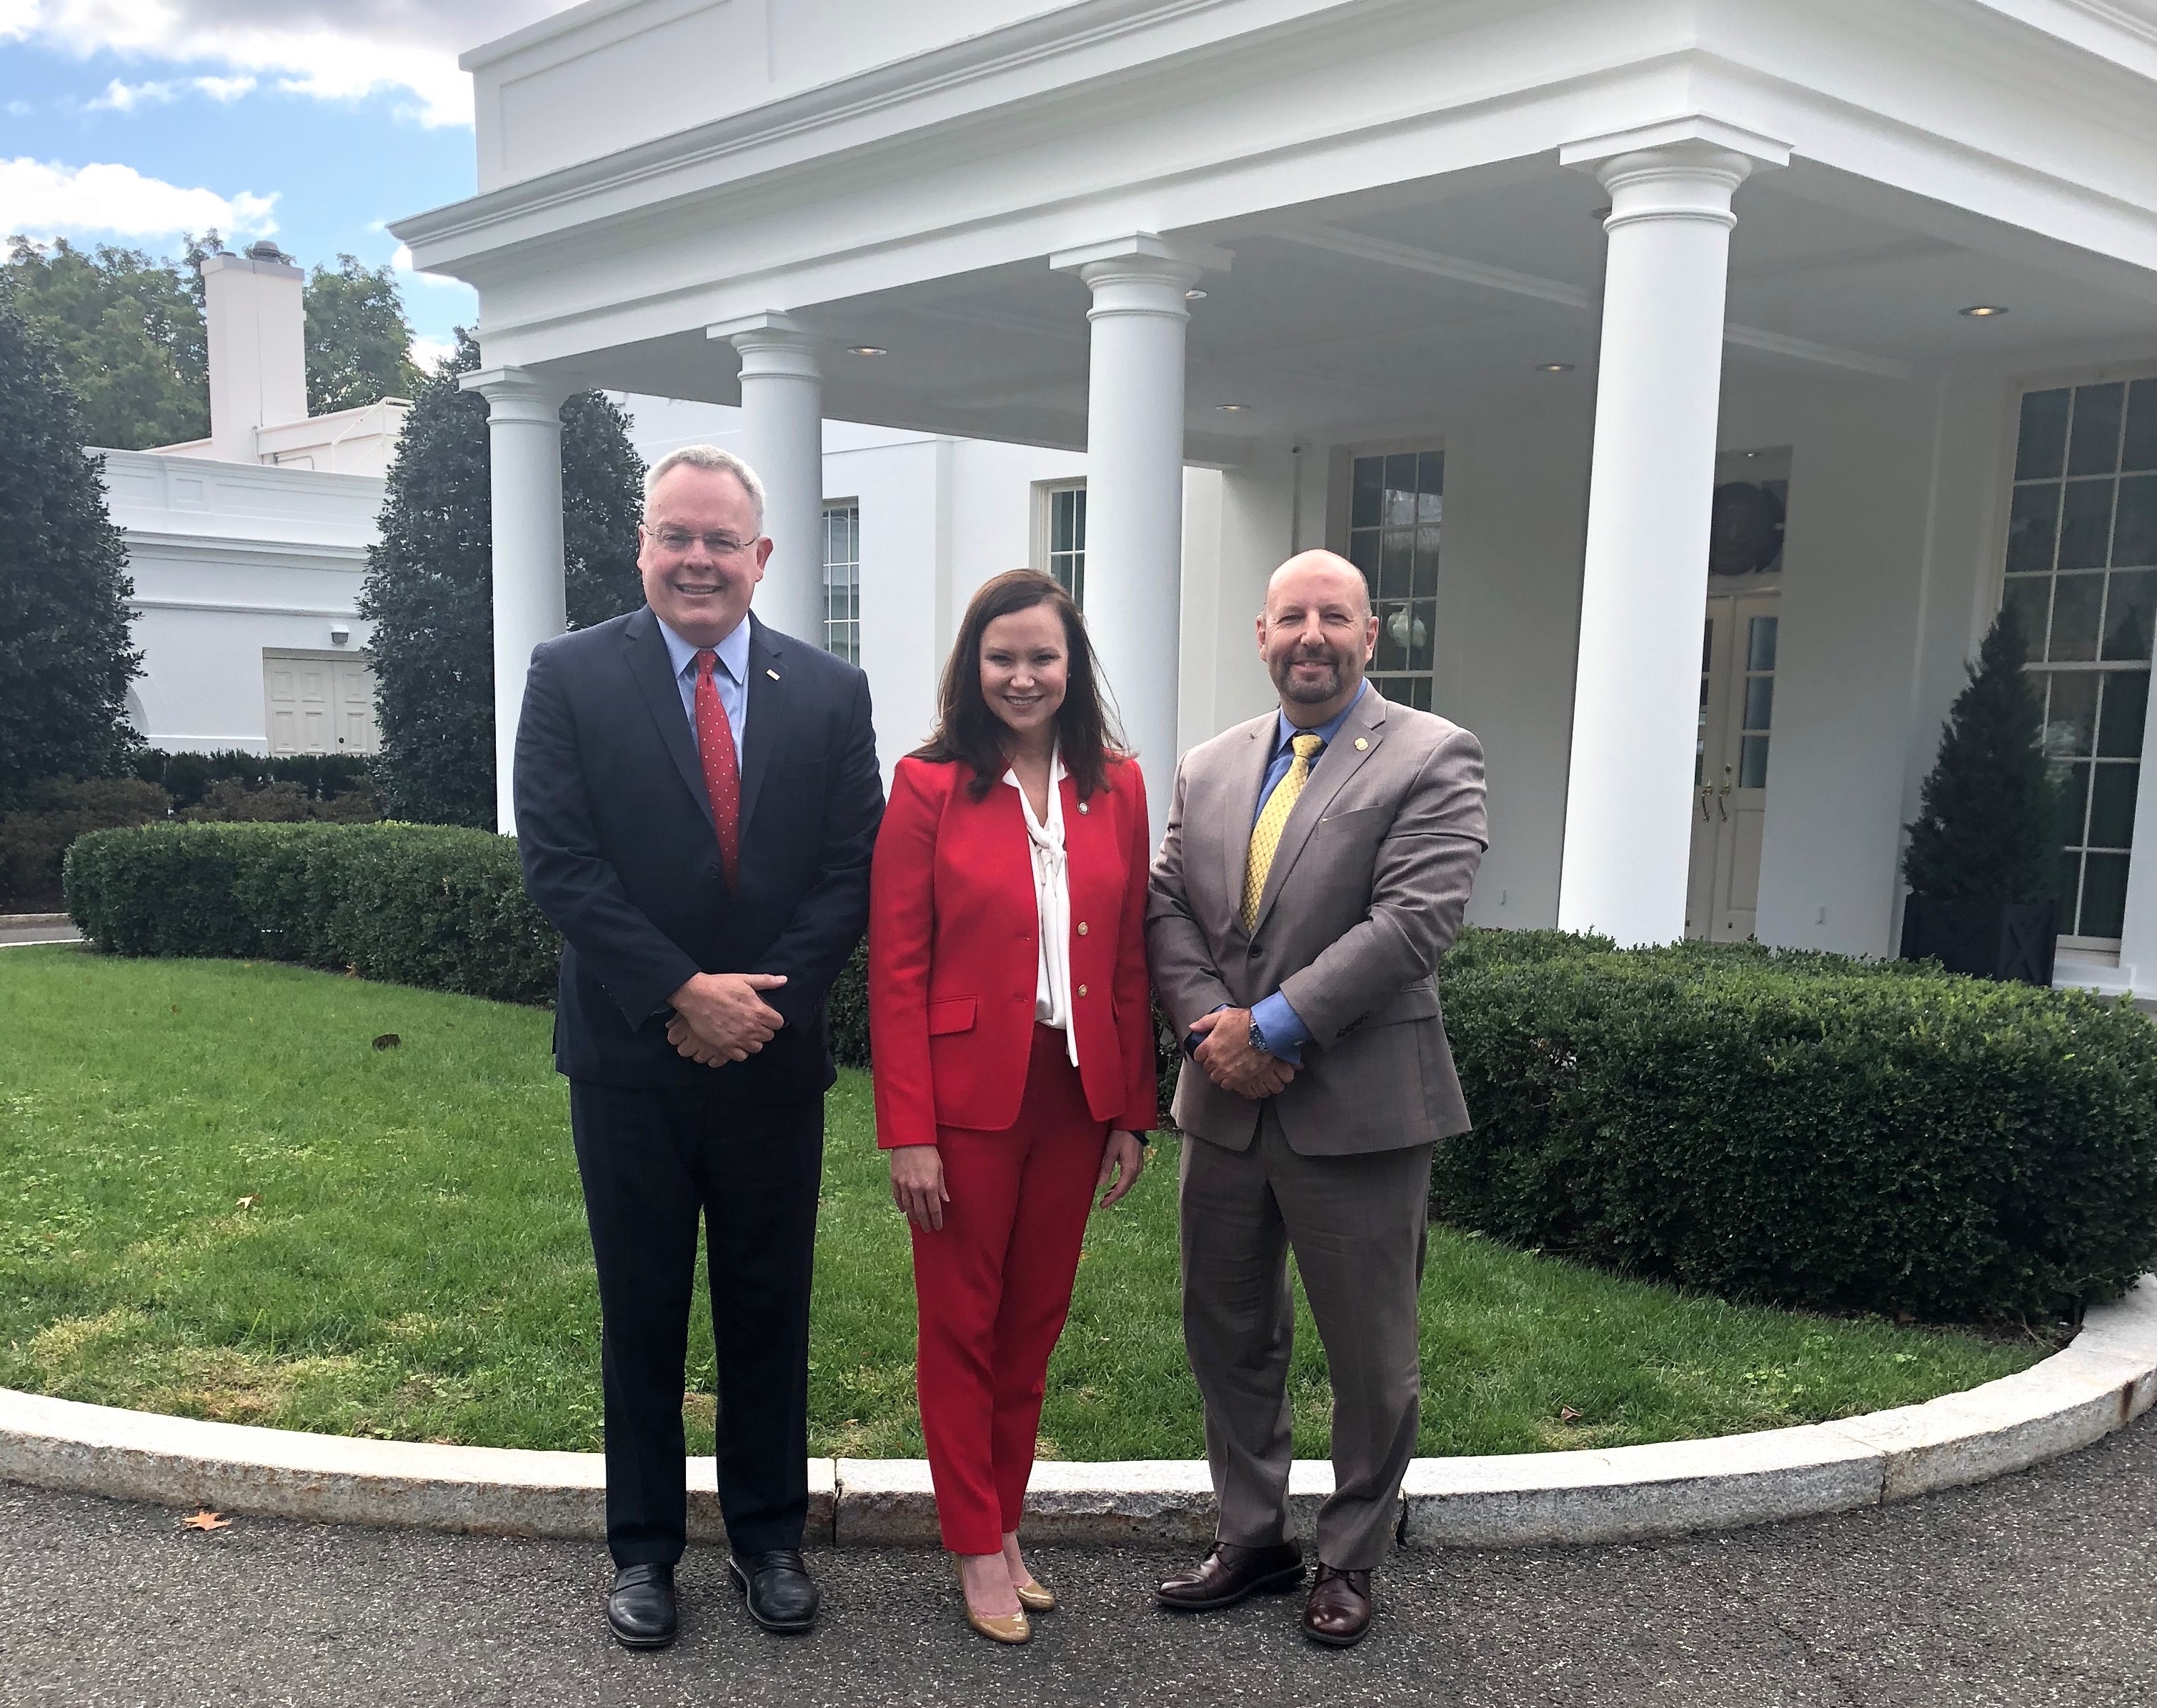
[
  {"x": 1339, "y": 1610},
  {"x": 1231, "y": 1572}
]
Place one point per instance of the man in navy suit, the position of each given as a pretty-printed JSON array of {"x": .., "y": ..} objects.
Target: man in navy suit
[{"x": 696, "y": 801}]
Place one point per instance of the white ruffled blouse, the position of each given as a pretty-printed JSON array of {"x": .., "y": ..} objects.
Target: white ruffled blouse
[{"x": 1051, "y": 901}]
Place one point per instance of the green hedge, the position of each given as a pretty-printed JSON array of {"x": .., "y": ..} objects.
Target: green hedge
[
  {"x": 1799, "y": 1128},
  {"x": 413, "y": 904},
  {"x": 1805, "y": 1128}
]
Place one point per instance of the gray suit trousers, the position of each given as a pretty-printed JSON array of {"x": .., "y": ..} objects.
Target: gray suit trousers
[{"x": 1357, "y": 1226}]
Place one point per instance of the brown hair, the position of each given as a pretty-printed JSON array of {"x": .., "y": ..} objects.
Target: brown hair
[{"x": 968, "y": 733}]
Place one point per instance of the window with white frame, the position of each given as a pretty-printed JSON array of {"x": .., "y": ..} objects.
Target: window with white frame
[
  {"x": 2082, "y": 576},
  {"x": 842, "y": 580},
  {"x": 1060, "y": 530},
  {"x": 1396, "y": 503}
]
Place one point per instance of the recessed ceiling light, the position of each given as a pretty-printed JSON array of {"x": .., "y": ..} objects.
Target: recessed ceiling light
[
  {"x": 1982, "y": 310},
  {"x": 1194, "y": 294},
  {"x": 1553, "y": 368},
  {"x": 1232, "y": 409},
  {"x": 866, "y": 350}
]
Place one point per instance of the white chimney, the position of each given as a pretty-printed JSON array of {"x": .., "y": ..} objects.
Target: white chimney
[{"x": 257, "y": 356}]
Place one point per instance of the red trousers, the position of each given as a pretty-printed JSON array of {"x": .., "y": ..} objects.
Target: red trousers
[{"x": 992, "y": 1287}]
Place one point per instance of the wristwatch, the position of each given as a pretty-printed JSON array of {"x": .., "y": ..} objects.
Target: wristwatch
[{"x": 1258, "y": 1037}]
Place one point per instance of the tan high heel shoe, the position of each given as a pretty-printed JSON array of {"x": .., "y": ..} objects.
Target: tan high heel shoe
[
  {"x": 1036, "y": 1597},
  {"x": 997, "y": 1627}
]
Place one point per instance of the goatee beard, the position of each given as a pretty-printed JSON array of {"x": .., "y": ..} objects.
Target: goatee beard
[{"x": 1311, "y": 694}]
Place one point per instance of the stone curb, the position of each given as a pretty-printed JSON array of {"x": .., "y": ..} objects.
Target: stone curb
[{"x": 2106, "y": 1378}]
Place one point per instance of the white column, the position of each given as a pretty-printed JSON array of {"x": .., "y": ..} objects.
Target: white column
[
  {"x": 524, "y": 445},
  {"x": 782, "y": 394},
  {"x": 1644, "y": 587},
  {"x": 1135, "y": 481},
  {"x": 2138, "y": 929}
]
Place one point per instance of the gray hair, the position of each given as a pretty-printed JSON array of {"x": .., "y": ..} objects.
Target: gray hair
[{"x": 708, "y": 456}]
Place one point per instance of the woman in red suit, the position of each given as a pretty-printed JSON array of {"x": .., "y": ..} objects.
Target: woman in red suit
[{"x": 1012, "y": 1026}]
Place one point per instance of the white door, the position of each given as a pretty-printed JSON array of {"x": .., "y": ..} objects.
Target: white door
[
  {"x": 1730, "y": 765},
  {"x": 319, "y": 705}
]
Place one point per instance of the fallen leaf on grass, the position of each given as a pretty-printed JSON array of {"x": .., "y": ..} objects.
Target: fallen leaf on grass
[
  {"x": 1566, "y": 1414},
  {"x": 387, "y": 1041},
  {"x": 248, "y": 1202},
  {"x": 205, "y": 1521}
]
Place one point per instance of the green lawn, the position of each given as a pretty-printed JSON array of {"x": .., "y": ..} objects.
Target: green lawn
[{"x": 218, "y": 1198}]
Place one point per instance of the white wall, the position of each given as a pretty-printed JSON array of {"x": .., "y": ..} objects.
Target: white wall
[{"x": 229, "y": 560}]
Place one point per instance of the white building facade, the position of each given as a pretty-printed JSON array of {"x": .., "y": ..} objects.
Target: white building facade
[{"x": 1693, "y": 378}]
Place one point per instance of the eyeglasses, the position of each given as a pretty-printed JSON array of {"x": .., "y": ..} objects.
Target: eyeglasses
[{"x": 675, "y": 541}]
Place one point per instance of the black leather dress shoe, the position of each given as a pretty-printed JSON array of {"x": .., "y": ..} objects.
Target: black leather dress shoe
[
  {"x": 782, "y": 1595},
  {"x": 1230, "y": 1574},
  {"x": 1339, "y": 1610},
  {"x": 640, "y": 1607}
]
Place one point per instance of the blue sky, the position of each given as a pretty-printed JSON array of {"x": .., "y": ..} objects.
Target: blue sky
[{"x": 131, "y": 121}]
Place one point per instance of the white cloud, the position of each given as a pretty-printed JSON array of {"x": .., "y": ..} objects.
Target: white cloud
[
  {"x": 330, "y": 49},
  {"x": 224, "y": 89},
  {"x": 125, "y": 97},
  {"x": 400, "y": 264},
  {"x": 428, "y": 353},
  {"x": 44, "y": 198}
]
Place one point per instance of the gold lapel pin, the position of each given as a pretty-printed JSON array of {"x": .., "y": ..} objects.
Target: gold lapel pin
[
  {"x": 773, "y": 674},
  {"x": 1362, "y": 743}
]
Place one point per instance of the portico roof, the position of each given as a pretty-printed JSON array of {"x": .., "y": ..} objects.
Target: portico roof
[{"x": 1389, "y": 177}]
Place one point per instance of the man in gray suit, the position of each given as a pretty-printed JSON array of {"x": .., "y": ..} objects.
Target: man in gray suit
[{"x": 1317, "y": 862}]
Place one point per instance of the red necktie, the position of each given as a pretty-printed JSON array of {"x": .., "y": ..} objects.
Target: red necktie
[{"x": 715, "y": 751}]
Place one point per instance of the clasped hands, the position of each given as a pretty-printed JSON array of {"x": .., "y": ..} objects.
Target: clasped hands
[
  {"x": 1224, "y": 1051},
  {"x": 721, "y": 1017}
]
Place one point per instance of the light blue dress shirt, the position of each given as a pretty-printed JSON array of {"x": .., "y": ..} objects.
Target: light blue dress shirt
[
  {"x": 1285, "y": 1033},
  {"x": 731, "y": 677}
]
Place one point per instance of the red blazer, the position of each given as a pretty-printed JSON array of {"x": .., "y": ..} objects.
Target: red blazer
[{"x": 953, "y": 958}]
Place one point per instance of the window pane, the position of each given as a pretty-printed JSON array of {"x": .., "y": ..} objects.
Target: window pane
[
  {"x": 2105, "y": 895},
  {"x": 2094, "y": 448},
  {"x": 2070, "y": 884},
  {"x": 2140, "y": 449},
  {"x": 1423, "y": 631},
  {"x": 2031, "y": 526},
  {"x": 2086, "y": 524},
  {"x": 1078, "y": 520},
  {"x": 1363, "y": 553},
  {"x": 2074, "y": 799},
  {"x": 2030, "y": 597},
  {"x": 1392, "y": 652},
  {"x": 2041, "y": 447},
  {"x": 1430, "y": 484},
  {"x": 2112, "y": 807},
  {"x": 1395, "y": 561},
  {"x": 1752, "y": 762},
  {"x": 2126, "y": 706},
  {"x": 2130, "y": 602},
  {"x": 1426, "y": 562},
  {"x": 1759, "y": 701},
  {"x": 2135, "y": 535},
  {"x": 1760, "y": 646},
  {"x": 2071, "y": 720},
  {"x": 2075, "y": 601},
  {"x": 1401, "y": 490},
  {"x": 1363, "y": 505},
  {"x": 1062, "y": 518}
]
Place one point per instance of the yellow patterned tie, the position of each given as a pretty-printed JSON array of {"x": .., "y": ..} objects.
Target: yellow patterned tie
[{"x": 1266, "y": 833}]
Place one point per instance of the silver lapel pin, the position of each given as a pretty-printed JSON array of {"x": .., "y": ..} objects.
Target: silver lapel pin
[{"x": 773, "y": 674}]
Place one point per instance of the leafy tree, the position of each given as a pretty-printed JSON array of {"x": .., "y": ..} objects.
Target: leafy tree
[
  {"x": 127, "y": 332},
  {"x": 429, "y": 585},
  {"x": 359, "y": 345},
  {"x": 65, "y": 660},
  {"x": 1990, "y": 828}
]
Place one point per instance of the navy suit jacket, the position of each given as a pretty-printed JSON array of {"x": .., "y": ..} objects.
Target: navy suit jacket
[{"x": 615, "y": 833}]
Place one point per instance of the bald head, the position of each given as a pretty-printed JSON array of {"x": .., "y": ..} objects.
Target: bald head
[
  {"x": 1319, "y": 577},
  {"x": 1315, "y": 635}
]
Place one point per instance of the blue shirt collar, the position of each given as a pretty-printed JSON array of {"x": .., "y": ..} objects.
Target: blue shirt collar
[
  {"x": 732, "y": 651},
  {"x": 1284, "y": 732}
]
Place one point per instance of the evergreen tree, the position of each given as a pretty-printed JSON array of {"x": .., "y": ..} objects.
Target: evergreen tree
[
  {"x": 127, "y": 333},
  {"x": 65, "y": 659},
  {"x": 359, "y": 345},
  {"x": 429, "y": 585},
  {"x": 1989, "y": 830}
]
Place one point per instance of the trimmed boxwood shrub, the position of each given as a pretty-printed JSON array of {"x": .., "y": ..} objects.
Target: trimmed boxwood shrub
[
  {"x": 1805, "y": 1128},
  {"x": 413, "y": 904}
]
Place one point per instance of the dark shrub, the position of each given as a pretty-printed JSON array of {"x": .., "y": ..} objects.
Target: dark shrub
[
  {"x": 188, "y": 777},
  {"x": 414, "y": 904},
  {"x": 53, "y": 814},
  {"x": 1806, "y": 1129},
  {"x": 232, "y": 802},
  {"x": 846, "y": 1014}
]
